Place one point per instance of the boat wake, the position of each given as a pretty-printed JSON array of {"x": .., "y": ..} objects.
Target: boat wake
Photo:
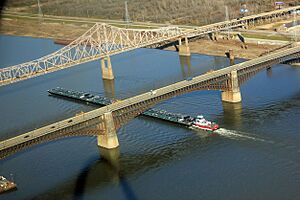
[{"x": 237, "y": 135}]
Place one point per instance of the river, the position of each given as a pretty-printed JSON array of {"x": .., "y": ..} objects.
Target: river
[{"x": 255, "y": 154}]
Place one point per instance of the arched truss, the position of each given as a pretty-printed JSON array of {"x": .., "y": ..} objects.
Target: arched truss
[
  {"x": 99, "y": 41},
  {"x": 102, "y": 40},
  {"x": 92, "y": 123}
]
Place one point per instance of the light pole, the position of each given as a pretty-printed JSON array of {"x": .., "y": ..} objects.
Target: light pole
[
  {"x": 294, "y": 25},
  {"x": 127, "y": 19},
  {"x": 40, "y": 11},
  {"x": 227, "y": 19}
]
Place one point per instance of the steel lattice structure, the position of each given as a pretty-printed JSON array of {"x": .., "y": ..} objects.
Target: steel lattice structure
[
  {"x": 92, "y": 123},
  {"x": 99, "y": 41},
  {"x": 103, "y": 40}
]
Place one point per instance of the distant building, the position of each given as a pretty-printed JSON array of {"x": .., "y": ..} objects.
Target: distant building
[
  {"x": 243, "y": 10},
  {"x": 278, "y": 5}
]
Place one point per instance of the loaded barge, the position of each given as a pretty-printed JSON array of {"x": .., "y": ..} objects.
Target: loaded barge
[
  {"x": 6, "y": 185},
  {"x": 186, "y": 120}
]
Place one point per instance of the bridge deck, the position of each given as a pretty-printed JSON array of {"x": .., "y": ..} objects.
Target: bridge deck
[
  {"x": 102, "y": 101},
  {"x": 103, "y": 40},
  {"x": 270, "y": 59}
]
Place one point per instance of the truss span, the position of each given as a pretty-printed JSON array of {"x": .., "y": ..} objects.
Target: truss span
[
  {"x": 125, "y": 110},
  {"x": 102, "y": 40},
  {"x": 99, "y": 41}
]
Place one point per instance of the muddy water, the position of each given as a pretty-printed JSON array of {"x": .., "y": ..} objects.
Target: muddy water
[{"x": 255, "y": 154}]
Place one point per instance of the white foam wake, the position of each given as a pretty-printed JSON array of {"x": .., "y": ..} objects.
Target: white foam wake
[{"x": 237, "y": 134}]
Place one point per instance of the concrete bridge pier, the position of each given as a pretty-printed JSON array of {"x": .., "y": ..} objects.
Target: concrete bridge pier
[
  {"x": 109, "y": 88},
  {"x": 184, "y": 49},
  {"x": 185, "y": 64},
  {"x": 107, "y": 72},
  {"x": 233, "y": 95},
  {"x": 111, "y": 156},
  {"x": 231, "y": 56},
  {"x": 232, "y": 113},
  {"x": 269, "y": 72},
  {"x": 108, "y": 138}
]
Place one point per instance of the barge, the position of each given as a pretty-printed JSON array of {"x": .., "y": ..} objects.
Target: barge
[
  {"x": 181, "y": 119},
  {"x": 6, "y": 185}
]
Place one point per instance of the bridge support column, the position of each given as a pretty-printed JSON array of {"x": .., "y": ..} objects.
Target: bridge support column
[
  {"x": 111, "y": 156},
  {"x": 231, "y": 56},
  {"x": 109, "y": 88},
  {"x": 108, "y": 139},
  {"x": 233, "y": 95},
  {"x": 107, "y": 72},
  {"x": 184, "y": 49},
  {"x": 232, "y": 113},
  {"x": 185, "y": 63}
]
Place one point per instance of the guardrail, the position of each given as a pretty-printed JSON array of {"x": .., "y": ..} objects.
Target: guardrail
[{"x": 140, "y": 98}]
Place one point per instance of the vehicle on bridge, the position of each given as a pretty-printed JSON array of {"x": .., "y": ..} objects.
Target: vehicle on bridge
[
  {"x": 153, "y": 92},
  {"x": 196, "y": 122}
]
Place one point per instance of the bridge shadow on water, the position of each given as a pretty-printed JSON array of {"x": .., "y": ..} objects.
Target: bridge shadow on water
[
  {"x": 116, "y": 170},
  {"x": 108, "y": 162},
  {"x": 111, "y": 169}
]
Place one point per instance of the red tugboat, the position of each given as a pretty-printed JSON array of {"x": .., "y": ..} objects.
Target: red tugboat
[
  {"x": 6, "y": 185},
  {"x": 201, "y": 123}
]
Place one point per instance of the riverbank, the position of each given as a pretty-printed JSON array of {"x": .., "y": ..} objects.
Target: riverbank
[
  {"x": 72, "y": 30},
  {"x": 220, "y": 47},
  {"x": 157, "y": 160},
  {"x": 41, "y": 29}
]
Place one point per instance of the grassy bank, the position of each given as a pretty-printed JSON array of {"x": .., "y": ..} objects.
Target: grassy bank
[{"x": 194, "y": 12}]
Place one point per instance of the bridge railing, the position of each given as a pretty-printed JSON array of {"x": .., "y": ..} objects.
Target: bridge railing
[
  {"x": 99, "y": 41},
  {"x": 283, "y": 55},
  {"x": 102, "y": 40},
  {"x": 80, "y": 118}
]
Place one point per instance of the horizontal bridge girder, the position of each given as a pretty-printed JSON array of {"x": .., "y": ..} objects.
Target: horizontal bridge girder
[
  {"x": 103, "y": 40},
  {"x": 86, "y": 49},
  {"x": 127, "y": 109}
]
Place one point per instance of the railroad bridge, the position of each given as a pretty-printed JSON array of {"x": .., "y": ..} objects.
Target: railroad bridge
[
  {"x": 102, "y": 41},
  {"x": 104, "y": 122}
]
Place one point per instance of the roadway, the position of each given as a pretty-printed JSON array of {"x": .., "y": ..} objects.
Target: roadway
[
  {"x": 92, "y": 21},
  {"x": 76, "y": 53},
  {"x": 79, "y": 119}
]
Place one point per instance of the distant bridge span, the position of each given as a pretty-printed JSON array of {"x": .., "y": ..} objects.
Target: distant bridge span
[
  {"x": 103, "y": 40},
  {"x": 104, "y": 121}
]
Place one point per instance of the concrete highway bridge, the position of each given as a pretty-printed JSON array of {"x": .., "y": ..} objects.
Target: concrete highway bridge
[
  {"x": 104, "y": 122},
  {"x": 102, "y": 41}
]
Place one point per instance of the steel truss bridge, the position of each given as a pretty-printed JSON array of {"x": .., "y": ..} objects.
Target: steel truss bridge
[
  {"x": 93, "y": 122},
  {"x": 104, "y": 40}
]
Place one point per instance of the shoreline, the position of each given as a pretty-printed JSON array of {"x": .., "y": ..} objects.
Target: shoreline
[
  {"x": 69, "y": 32},
  {"x": 213, "y": 49}
]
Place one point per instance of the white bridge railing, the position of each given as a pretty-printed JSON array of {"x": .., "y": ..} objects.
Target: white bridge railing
[
  {"x": 103, "y": 40},
  {"x": 99, "y": 41},
  {"x": 52, "y": 128}
]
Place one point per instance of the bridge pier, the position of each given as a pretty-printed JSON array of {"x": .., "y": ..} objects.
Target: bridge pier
[
  {"x": 109, "y": 88},
  {"x": 108, "y": 139},
  {"x": 269, "y": 72},
  {"x": 184, "y": 49},
  {"x": 185, "y": 64},
  {"x": 232, "y": 113},
  {"x": 230, "y": 55},
  {"x": 107, "y": 72},
  {"x": 233, "y": 95},
  {"x": 112, "y": 156}
]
